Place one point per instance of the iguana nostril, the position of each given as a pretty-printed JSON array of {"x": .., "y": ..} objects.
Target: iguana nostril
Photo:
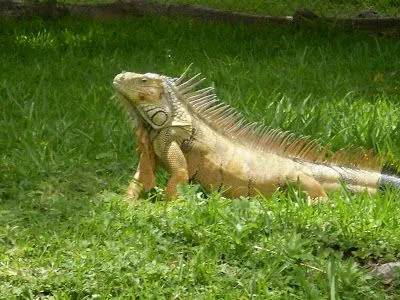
[
  {"x": 119, "y": 77},
  {"x": 118, "y": 81}
]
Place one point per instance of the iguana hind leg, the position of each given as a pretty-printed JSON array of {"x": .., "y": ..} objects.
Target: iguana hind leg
[{"x": 313, "y": 188}]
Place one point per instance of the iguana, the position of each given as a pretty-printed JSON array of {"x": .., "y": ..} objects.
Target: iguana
[{"x": 196, "y": 137}]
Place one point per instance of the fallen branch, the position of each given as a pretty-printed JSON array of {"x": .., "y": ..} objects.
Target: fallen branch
[{"x": 140, "y": 8}]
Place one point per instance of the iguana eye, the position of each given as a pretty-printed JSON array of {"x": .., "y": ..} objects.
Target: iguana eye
[{"x": 144, "y": 80}]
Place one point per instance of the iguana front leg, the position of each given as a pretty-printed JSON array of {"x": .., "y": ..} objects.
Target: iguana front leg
[
  {"x": 172, "y": 156},
  {"x": 144, "y": 178},
  {"x": 177, "y": 166}
]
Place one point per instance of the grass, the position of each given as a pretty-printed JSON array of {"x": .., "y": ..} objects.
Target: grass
[{"x": 67, "y": 156}]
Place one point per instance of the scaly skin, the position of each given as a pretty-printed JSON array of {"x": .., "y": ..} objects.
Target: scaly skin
[{"x": 172, "y": 133}]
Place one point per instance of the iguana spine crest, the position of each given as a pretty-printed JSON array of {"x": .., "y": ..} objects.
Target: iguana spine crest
[{"x": 223, "y": 118}]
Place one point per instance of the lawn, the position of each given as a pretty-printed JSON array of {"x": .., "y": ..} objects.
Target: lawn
[{"x": 67, "y": 154}]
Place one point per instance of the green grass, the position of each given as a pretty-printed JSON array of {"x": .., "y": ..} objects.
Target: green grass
[{"x": 67, "y": 156}]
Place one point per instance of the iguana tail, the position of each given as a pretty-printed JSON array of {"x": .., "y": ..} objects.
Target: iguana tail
[
  {"x": 389, "y": 181},
  {"x": 356, "y": 180}
]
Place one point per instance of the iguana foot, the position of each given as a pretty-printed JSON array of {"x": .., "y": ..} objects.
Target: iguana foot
[
  {"x": 170, "y": 192},
  {"x": 179, "y": 176},
  {"x": 312, "y": 187},
  {"x": 318, "y": 200},
  {"x": 134, "y": 190}
]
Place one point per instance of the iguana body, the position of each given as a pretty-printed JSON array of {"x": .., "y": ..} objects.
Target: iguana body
[{"x": 196, "y": 137}]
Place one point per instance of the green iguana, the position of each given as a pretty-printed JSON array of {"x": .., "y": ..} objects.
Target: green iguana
[{"x": 196, "y": 137}]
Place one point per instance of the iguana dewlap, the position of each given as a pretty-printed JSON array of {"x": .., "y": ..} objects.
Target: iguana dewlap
[{"x": 198, "y": 138}]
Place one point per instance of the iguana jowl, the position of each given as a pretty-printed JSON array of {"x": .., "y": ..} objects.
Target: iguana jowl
[{"x": 197, "y": 137}]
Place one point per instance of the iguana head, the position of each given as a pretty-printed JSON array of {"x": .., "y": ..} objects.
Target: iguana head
[{"x": 144, "y": 94}]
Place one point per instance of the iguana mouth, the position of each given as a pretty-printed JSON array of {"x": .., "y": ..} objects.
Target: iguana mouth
[
  {"x": 118, "y": 82},
  {"x": 117, "y": 86}
]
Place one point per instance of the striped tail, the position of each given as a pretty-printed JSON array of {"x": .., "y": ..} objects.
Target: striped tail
[{"x": 389, "y": 181}]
